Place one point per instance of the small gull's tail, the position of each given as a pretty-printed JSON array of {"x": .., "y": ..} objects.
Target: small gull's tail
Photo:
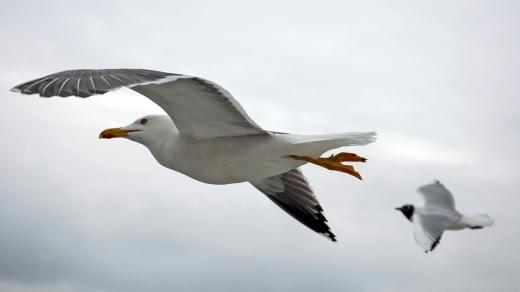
[{"x": 478, "y": 221}]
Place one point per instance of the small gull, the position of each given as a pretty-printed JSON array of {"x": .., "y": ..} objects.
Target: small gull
[{"x": 437, "y": 215}]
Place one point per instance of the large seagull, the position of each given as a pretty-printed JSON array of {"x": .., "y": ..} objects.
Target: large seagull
[{"x": 208, "y": 136}]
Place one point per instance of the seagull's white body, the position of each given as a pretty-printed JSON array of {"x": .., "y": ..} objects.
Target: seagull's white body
[
  {"x": 225, "y": 160},
  {"x": 437, "y": 215},
  {"x": 209, "y": 137}
]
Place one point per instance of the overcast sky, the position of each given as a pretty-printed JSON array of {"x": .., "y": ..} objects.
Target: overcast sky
[{"x": 438, "y": 80}]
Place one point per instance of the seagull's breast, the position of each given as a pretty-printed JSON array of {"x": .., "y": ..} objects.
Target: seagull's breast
[{"x": 229, "y": 159}]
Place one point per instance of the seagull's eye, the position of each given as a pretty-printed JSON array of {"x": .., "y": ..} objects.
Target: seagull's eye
[{"x": 143, "y": 121}]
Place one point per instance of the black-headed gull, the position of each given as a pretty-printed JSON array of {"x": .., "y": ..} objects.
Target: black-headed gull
[{"x": 437, "y": 215}]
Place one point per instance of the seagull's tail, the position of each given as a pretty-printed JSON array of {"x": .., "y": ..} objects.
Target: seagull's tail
[
  {"x": 478, "y": 221},
  {"x": 318, "y": 144}
]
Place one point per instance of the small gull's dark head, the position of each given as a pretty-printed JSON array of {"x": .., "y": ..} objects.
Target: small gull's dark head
[{"x": 407, "y": 211}]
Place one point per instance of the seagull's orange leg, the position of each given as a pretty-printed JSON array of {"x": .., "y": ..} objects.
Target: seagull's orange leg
[
  {"x": 346, "y": 156},
  {"x": 334, "y": 162}
]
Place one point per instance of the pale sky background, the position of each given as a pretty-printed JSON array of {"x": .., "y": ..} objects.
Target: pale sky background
[{"x": 438, "y": 80}]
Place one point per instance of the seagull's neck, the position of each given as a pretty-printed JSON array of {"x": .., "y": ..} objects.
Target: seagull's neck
[{"x": 163, "y": 148}]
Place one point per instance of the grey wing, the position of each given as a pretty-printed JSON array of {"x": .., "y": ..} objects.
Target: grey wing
[
  {"x": 198, "y": 107},
  {"x": 437, "y": 195},
  {"x": 428, "y": 229},
  {"x": 87, "y": 82},
  {"x": 291, "y": 192}
]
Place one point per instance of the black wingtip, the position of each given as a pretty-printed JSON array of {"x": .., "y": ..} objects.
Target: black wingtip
[
  {"x": 298, "y": 200},
  {"x": 435, "y": 243},
  {"x": 329, "y": 235}
]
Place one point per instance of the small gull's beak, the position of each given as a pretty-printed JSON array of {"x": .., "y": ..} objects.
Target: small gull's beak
[
  {"x": 115, "y": 133},
  {"x": 398, "y": 208}
]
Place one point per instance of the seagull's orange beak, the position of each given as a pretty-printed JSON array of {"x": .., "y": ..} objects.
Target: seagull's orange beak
[{"x": 115, "y": 133}]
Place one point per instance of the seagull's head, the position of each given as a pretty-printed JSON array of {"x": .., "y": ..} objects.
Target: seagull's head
[
  {"x": 145, "y": 130},
  {"x": 407, "y": 211}
]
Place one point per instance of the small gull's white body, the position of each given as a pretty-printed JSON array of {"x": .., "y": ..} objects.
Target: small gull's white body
[
  {"x": 437, "y": 215},
  {"x": 208, "y": 136}
]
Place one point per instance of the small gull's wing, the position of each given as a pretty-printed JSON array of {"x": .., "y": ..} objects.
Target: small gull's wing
[
  {"x": 436, "y": 195},
  {"x": 291, "y": 192},
  {"x": 198, "y": 107},
  {"x": 428, "y": 229}
]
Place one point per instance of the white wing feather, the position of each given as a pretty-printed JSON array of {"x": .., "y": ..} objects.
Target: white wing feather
[
  {"x": 428, "y": 229},
  {"x": 436, "y": 195}
]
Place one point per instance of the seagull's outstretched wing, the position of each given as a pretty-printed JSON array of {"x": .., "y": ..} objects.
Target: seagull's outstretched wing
[
  {"x": 198, "y": 107},
  {"x": 436, "y": 195},
  {"x": 291, "y": 192},
  {"x": 428, "y": 229}
]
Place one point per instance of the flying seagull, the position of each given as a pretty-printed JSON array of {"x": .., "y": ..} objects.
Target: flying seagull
[
  {"x": 208, "y": 136},
  {"x": 438, "y": 214}
]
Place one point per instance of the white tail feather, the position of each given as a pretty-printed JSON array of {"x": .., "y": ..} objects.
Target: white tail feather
[
  {"x": 480, "y": 220},
  {"x": 317, "y": 144}
]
